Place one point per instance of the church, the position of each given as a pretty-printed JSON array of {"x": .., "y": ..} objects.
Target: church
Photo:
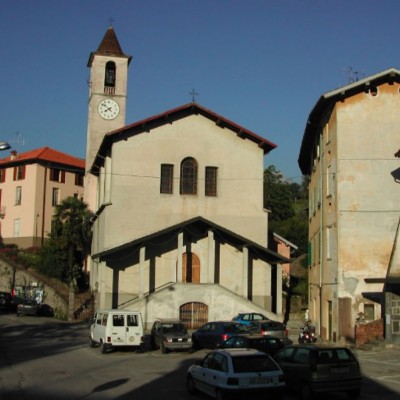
[{"x": 179, "y": 227}]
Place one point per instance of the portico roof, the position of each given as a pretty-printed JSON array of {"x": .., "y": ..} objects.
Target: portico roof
[{"x": 198, "y": 225}]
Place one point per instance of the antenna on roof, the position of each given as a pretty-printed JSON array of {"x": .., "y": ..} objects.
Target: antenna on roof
[
  {"x": 19, "y": 141},
  {"x": 353, "y": 75}
]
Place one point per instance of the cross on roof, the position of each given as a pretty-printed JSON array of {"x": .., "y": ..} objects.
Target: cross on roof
[{"x": 193, "y": 93}]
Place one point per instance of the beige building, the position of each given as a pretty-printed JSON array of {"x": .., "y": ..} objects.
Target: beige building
[
  {"x": 31, "y": 185},
  {"x": 348, "y": 151},
  {"x": 179, "y": 227}
]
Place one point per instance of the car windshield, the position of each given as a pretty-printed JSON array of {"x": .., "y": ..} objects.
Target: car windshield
[
  {"x": 258, "y": 363},
  {"x": 327, "y": 356},
  {"x": 173, "y": 328},
  {"x": 236, "y": 328},
  {"x": 272, "y": 326}
]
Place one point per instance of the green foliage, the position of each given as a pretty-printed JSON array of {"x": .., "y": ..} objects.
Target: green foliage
[
  {"x": 63, "y": 255},
  {"x": 300, "y": 286},
  {"x": 287, "y": 202},
  {"x": 53, "y": 261}
]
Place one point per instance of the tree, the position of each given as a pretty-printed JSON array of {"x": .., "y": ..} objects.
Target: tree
[
  {"x": 70, "y": 235},
  {"x": 287, "y": 202},
  {"x": 277, "y": 195}
]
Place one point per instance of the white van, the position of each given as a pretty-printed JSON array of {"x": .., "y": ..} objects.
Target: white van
[{"x": 112, "y": 328}]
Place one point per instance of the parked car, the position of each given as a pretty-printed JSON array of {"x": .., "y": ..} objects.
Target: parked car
[
  {"x": 112, "y": 329},
  {"x": 169, "y": 335},
  {"x": 271, "y": 328},
  {"x": 5, "y": 301},
  {"x": 45, "y": 310},
  {"x": 268, "y": 344},
  {"x": 247, "y": 318},
  {"x": 311, "y": 369},
  {"x": 213, "y": 334},
  {"x": 27, "y": 307},
  {"x": 228, "y": 372}
]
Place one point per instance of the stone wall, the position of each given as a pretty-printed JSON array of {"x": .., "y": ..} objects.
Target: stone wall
[
  {"x": 13, "y": 275},
  {"x": 367, "y": 332}
]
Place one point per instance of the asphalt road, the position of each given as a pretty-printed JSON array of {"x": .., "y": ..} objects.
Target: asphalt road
[{"x": 43, "y": 359}]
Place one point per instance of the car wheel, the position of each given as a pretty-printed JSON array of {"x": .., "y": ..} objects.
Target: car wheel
[
  {"x": 164, "y": 350},
  {"x": 103, "y": 347},
  {"x": 190, "y": 385},
  {"x": 195, "y": 344},
  {"x": 220, "y": 395},
  {"x": 92, "y": 343},
  {"x": 354, "y": 393},
  {"x": 306, "y": 393}
]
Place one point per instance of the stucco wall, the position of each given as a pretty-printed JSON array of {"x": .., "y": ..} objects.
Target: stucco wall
[
  {"x": 223, "y": 304},
  {"x": 135, "y": 182},
  {"x": 353, "y": 203}
]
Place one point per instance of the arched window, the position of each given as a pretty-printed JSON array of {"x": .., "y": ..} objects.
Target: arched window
[
  {"x": 109, "y": 77},
  {"x": 188, "y": 176}
]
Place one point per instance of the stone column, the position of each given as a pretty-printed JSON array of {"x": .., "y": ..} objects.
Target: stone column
[
  {"x": 180, "y": 256},
  {"x": 245, "y": 271},
  {"x": 211, "y": 258},
  {"x": 142, "y": 283}
]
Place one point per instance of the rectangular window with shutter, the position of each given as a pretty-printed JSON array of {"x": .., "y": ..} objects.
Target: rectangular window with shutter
[
  {"x": 56, "y": 197},
  {"x": 17, "y": 226},
  {"x": 79, "y": 179},
  {"x": 19, "y": 173},
  {"x": 2, "y": 175},
  {"x": 57, "y": 175},
  {"x": 18, "y": 196},
  {"x": 211, "y": 181},
  {"x": 167, "y": 178}
]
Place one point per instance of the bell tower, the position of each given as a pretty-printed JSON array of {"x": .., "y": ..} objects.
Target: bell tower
[{"x": 107, "y": 98}]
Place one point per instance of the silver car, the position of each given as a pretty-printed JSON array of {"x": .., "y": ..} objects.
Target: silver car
[{"x": 227, "y": 372}]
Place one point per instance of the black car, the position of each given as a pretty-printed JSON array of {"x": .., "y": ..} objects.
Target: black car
[
  {"x": 170, "y": 335},
  {"x": 5, "y": 301},
  {"x": 310, "y": 369},
  {"x": 213, "y": 334},
  {"x": 268, "y": 344}
]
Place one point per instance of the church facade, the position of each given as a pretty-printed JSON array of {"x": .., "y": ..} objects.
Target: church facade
[{"x": 179, "y": 229}]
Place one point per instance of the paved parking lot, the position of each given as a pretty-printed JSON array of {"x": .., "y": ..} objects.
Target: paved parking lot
[{"x": 43, "y": 359}]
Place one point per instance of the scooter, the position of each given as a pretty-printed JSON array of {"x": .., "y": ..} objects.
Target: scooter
[{"x": 307, "y": 336}]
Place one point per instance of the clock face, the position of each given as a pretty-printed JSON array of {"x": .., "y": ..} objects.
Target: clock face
[{"x": 108, "y": 109}]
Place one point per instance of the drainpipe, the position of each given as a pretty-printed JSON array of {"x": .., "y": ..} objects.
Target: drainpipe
[
  {"x": 321, "y": 233},
  {"x": 44, "y": 204}
]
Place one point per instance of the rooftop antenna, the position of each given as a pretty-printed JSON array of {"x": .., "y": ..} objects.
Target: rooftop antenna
[
  {"x": 19, "y": 141},
  {"x": 353, "y": 75}
]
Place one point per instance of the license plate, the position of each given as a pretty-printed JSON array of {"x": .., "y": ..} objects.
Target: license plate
[
  {"x": 260, "y": 380},
  {"x": 340, "y": 370},
  {"x": 180, "y": 340}
]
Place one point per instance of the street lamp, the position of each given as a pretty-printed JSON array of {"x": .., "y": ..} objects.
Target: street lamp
[{"x": 4, "y": 145}]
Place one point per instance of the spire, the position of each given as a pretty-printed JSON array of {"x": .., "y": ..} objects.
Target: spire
[{"x": 109, "y": 46}]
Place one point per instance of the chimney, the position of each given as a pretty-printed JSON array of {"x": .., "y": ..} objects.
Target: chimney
[{"x": 13, "y": 154}]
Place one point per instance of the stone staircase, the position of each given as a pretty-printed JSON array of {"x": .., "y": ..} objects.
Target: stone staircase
[
  {"x": 296, "y": 320},
  {"x": 83, "y": 306}
]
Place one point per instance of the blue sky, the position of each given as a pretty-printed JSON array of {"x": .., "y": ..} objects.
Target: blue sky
[{"x": 262, "y": 64}]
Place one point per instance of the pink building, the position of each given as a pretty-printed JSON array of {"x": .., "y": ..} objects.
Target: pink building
[{"x": 31, "y": 185}]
